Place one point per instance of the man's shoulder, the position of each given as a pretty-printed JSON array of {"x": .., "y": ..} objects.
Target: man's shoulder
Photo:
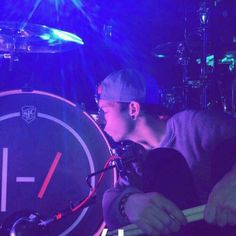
[
  {"x": 183, "y": 116},
  {"x": 201, "y": 115},
  {"x": 188, "y": 113},
  {"x": 206, "y": 123}
]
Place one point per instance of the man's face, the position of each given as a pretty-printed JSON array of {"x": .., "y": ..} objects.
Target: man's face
[{"x": 118, "y": 123}]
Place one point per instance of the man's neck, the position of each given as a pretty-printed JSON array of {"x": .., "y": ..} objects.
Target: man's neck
[{"x": 149, "y": 132}]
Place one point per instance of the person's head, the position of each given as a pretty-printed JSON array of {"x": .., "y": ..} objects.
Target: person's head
[{"x": 125, "y": 97}]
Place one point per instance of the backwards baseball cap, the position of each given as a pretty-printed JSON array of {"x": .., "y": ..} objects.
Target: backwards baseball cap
[{"x": 128, "y": 85}]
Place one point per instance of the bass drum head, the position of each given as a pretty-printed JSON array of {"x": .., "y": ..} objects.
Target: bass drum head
[{"x": 48, "y": 147}]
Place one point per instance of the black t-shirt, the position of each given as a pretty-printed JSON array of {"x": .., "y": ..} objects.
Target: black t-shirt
[{"x": 165, "y": 171}]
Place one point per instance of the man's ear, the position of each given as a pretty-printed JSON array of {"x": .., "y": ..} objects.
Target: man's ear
[{"x": 134, "y": 109}]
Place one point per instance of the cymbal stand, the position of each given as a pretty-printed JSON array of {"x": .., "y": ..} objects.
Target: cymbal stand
[
  {"x": 204, "y": 19},
  {"x": 182, "y": 54},
  {"x": 233, "y": 92},
  {"x": 183, "y": 60},
  {"x": 11, "y": 56}
]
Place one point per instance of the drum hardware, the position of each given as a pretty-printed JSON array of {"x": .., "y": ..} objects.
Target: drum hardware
[
  {"x": 176, "y": 98},
  {"x": 8, "y": 56},
  {"x": 228, "y": 95},
  {"x": 229, "y": 59},
  {"x": 177, "y": 50},
  {"x": 108, "y": 30},
  {"x": 77, "y": 140},
  {"x": 233, "y": 85},
  {"x": 210, "y": 62},
  {"x": 184, "y": 52},
  {"x": 173, "y": 99},
  {"x": 204, "y": 20},
  {"x": 233, "y": 94},
  {"x": 166, "y": 50},
  {"x": 23, "y": 223},
  {"x": 12, "y": 58},
  {"x": 194, "y": 84},
  {"x": 183, "y": 60},
  {"x": 110, "y": 164},
  {"x": 27, "y": 88},
  {"x": 124, "y": 153},
  {"x": 224, "y": 104},
  {"x": 31, "y": 223},
  {"x": 20, "y": 37}
]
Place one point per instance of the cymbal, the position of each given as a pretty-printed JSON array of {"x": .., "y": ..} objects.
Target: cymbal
[
  {"x": 176, "y": 49},
  {"x": 166, "y": 50},
  {"x": 34, "y": 38}
]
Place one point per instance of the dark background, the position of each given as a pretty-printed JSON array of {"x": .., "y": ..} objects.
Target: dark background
[{"x": 136, "y": 27}]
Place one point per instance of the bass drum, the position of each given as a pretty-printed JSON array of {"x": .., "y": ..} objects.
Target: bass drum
[{"x": 48, "y": 147}]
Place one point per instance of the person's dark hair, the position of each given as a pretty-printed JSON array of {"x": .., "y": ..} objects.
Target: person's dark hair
[{"x": 155, "y": 110}]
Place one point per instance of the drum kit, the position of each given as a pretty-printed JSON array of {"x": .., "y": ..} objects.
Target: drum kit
[
  {"x": 44, "y": 181},
  {"x": 23, "y": 116},
  {"x": 202, "y": 65},
  {"x": 207, "y": 67}
]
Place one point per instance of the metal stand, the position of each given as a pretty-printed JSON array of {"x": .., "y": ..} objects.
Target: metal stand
[{"x": 204, "y": 18}]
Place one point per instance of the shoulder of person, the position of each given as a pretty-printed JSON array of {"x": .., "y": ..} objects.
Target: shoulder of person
[{"x": 203, "y": 115}]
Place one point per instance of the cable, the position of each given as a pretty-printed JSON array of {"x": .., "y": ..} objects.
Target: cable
[{"x": 59, "y": 215}]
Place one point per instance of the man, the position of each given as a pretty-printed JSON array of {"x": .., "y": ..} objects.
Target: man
[{"x": 129, "y": 100}]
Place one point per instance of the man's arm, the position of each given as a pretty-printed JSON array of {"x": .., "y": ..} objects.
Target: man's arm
[
  {"x": 153, "y": 212},
  {"x": 221, "y": 206},
  {"x": 111, "y": 205}
]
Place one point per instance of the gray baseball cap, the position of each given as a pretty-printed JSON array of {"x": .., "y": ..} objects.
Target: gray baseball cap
[{"x": 128, "y": 85}]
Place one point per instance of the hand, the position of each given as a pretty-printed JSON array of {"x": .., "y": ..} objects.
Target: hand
[
  {"x": 221, "y": 206},
  {"x": 154, "y": 214}
]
